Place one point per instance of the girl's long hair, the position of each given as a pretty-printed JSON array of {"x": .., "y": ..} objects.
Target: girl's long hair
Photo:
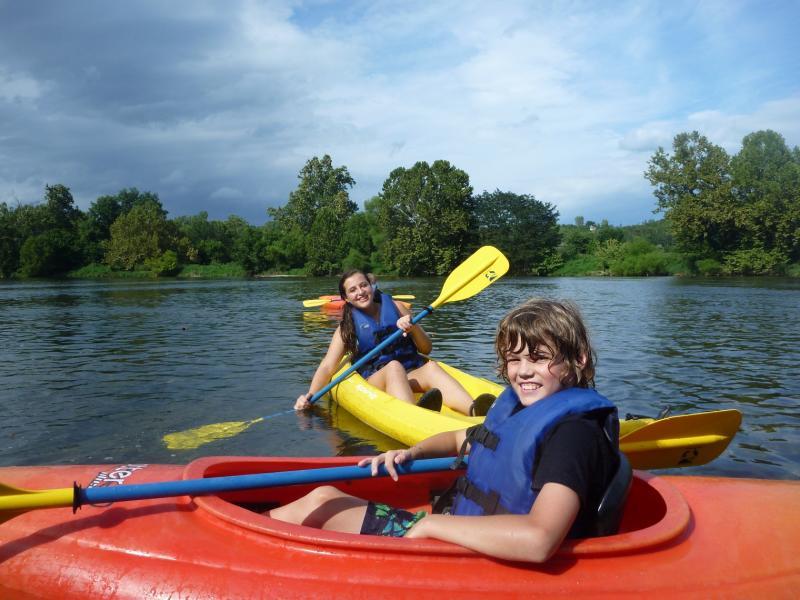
[{"x": 347, "y": 328}]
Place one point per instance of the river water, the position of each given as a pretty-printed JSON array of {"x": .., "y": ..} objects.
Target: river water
[{"x": 99, "y": 372}]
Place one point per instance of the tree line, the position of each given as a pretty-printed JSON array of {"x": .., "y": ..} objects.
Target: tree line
[{"x": 722, "y": 214}]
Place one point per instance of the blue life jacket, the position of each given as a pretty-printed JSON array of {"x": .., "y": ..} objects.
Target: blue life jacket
[
  {"x": 502, "y": 456},
  {"x": 370, "y": 334}
]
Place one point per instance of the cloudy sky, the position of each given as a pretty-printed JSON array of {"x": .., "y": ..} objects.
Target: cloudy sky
[{"x": 216, "y": 106}]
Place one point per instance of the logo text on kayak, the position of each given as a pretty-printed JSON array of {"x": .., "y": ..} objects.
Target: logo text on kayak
[{"x": 117, "y": 476}]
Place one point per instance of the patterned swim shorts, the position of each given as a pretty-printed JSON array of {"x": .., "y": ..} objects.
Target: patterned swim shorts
[{"x": 382, "y": 519}]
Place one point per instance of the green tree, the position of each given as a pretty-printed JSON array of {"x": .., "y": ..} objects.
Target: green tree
[
  {"x": 357, "y": 242},
  {"x": 376, "y": 206},
  {"x": 525, "y": 229},
  {"x": 693, "y": 189},
  {"x": 10, "y": 242},
  {"x": 139, "y": 235},
  {"x": 425, "y": 214},
  {"x": 324, "y": 243},
  {"x": 766, "y": 182},
  {"x": 47, "y": 254},
  {"x": 248, "y": 249},
  {"x": 321, "y": 204},
  {"x": 17, "y": 225},
  {"x": 46, "y": 235},
  {"x": 61, "y": 208},
  {"x": 657, "y": 232},
  {"x": 606, "y": 232},
  {"x": 321, "y": 185},
  {"x": 576, "y": 241},
  {"x": 209, "y": 241},
  {"x": 130, "y": 198},
  {"x": 94, "y": 229}
]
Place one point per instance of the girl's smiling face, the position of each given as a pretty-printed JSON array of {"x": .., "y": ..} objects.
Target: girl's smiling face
[
  {"x": 532, "y": 375},
  {"x": 358, "y": 291}
]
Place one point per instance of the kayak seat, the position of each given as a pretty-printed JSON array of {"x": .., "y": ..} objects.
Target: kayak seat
[{"x": 612, "y": 504}]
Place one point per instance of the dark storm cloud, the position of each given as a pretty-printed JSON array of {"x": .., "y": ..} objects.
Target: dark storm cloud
[{"x": 122, "y": 95}]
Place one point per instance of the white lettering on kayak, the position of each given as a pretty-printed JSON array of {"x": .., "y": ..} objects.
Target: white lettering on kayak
[
  {"x": 366, "y": 391},
  {"x": 116, "y": 476}
]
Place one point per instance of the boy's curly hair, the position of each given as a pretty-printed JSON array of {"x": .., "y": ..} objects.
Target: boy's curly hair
[{"x": 555, "y": 325}]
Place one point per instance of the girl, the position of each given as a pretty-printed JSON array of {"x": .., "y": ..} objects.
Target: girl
[
  {"x": 370, "y": 316},
  {"x": 538, "y": 465}
]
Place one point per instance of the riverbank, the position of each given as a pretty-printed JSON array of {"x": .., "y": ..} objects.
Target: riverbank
[
  {"x": 667, "y": 265},
  {"x": 213, "y": 271}
]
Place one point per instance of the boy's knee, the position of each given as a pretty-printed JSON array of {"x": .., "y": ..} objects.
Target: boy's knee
[{"x": 323, "y": 493}]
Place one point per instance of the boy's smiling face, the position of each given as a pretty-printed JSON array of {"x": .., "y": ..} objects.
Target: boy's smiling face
[{"x": 532, "y": 375}]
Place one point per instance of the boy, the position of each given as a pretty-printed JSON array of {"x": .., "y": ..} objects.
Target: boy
[{"x": 538, "y": 465}]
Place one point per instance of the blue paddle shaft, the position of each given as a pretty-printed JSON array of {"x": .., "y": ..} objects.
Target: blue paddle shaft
[
  {"x": 428, "y": 310},
  {"x": 232, "y": 483}
]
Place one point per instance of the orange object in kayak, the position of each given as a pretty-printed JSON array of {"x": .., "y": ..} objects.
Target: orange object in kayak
[
  {"x": 334, "y": 302},
  {"x": 688, "y": 537}
]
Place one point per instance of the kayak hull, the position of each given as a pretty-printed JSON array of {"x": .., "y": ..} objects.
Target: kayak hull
[{"x": 688, "y": 536}]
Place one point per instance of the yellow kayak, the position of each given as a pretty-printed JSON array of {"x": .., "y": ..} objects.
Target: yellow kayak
[{"x": 676, "y": 441}]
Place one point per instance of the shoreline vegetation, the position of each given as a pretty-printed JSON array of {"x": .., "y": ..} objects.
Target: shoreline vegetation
[{"x": 722, "y": 215}]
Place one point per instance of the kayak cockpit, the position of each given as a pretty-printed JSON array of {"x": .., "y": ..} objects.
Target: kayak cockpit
[{"x": 655, "y": 513}]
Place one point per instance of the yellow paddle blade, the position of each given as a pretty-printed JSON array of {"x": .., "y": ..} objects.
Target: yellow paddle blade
[
  {"x": 486, "y": 265},
  {"x": 682, "y": 440},
  {"x": 194, "y": 438},
  {"x": 315, "y": 302},
  {"x": 15, "y": 501}
]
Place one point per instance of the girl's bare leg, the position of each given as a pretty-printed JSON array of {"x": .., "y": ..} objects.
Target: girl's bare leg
[
  {"x": 325, "y": 507},
  {"x": 431, "y": 375},
  {"x": 393, "y": 380}
]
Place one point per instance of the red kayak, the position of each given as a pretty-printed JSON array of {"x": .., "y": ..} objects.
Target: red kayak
[{"x": 688, "y": 537}]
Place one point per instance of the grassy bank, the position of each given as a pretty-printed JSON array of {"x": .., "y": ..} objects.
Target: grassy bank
[{"x": 213, "y": 271}]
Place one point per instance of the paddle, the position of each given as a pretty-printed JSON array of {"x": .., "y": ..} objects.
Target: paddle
[
  {"x": 677, "y": 441},
  {"x": 695, "y": 439},
  {"x": 682, "y": 440},
  {"x": 323, "y": 301},
  {"x": 14, "y": 501},
  {"x": 485, "y": 266}
]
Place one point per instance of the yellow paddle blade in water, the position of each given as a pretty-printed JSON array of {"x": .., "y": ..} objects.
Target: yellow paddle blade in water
[
  {"x": 486, "y": 265},
  {"x": 194, "y": 438},
  {"x": 681, "y": 440},
  {"x": 316, "y": 302}
]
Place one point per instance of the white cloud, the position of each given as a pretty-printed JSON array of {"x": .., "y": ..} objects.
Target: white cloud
[{"x": 17, "y": 87}]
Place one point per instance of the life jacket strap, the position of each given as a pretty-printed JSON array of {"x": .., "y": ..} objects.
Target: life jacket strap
[
  {"x": 488, "y": 501},
  {"x": 483, "y": 436},
  {"x": 459, "y": 462}
]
